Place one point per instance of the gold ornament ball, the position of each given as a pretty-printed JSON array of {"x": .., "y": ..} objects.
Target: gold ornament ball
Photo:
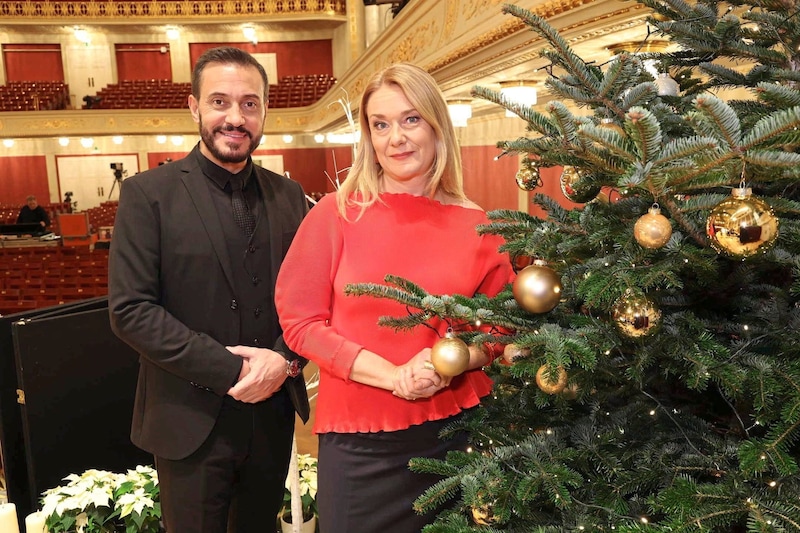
[
  {"x": 537, "y": 288},
  {"x": 653, "y": 229},
  {"x": 483, "y": 516},
  {"x": 512, "y": 352},
  {"x": 635, "y": 315},
  {"x": 528, "y": 177},
  {"x": 551, "y": 387},
  {"x": 742, "y": 225},
  {"x": 450, "y": 356},
  {"x": 577, "y": 186}
]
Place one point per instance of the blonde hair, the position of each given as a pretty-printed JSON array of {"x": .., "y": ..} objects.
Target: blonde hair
[{"x": 361, "y": 187}]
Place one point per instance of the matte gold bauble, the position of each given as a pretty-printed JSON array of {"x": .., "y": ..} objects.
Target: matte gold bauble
[
  {"x": 742, "y": 225},
  {"x": 537, "y": 288},
  {"x": 653, "y": 229},
  {"x": 577, "y": 186},
  {"x": 450, "y": 356},
  {"x": 483, "y": 516},
  {"x": 512, "y": 352},
  {"x": 551, "y": 387},
  {"x": 527, "y": 176},
  {"x": 635, "y": 315}
]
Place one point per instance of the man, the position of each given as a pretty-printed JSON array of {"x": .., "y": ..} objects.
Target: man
[
  {"x": 32, "y": 212},
  {"x": 188, "y": 288}
]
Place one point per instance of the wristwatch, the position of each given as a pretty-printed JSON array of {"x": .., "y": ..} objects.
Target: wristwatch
[{"x": 293, "y": 368}]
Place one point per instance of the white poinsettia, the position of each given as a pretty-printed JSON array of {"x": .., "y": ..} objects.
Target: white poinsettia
[
  {"x": 98, "y": 501},
  {"x": 307, "y": 478}
]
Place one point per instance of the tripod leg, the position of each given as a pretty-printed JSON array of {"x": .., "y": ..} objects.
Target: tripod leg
[{"x": 111, "y": 191}]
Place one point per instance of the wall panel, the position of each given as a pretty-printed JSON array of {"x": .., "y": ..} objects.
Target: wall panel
[
  {"x": 33, "y": 62},
  {"x": 294, "y": 58},
  {"x": 21, "y": 176}
]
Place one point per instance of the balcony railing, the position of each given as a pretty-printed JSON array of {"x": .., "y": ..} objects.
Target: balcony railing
[{"x": 27, "y": 10}]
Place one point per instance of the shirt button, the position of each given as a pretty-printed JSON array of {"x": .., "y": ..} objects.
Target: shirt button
[
  {"x": 234, "y": 305},
  {"x": 255, "y": 342},
  {"x": 257, "y": 311},
  {"x": 251, "y": 249},
  {"x": 256, "y": 280}
]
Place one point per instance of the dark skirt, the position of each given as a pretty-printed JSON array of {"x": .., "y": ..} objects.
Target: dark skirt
[{"x": 365, "y": 485}]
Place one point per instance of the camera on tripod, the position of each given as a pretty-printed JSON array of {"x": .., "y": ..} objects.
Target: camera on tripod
[{"x": 118, "y": 170}]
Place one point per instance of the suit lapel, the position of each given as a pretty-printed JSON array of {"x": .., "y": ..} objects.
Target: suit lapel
[
  {"x": 197, "y": 188},
  {"x": 271, "y": 208}
]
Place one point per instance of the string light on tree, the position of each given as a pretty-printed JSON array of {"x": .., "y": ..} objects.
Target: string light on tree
[
  {"x": 577, "y": 185},
  {"x": 653, "y": 229},
  {"x": 742, "y": 225},
  {"x": 537, "y": 288},
  {"x": 635, "y": 315}
]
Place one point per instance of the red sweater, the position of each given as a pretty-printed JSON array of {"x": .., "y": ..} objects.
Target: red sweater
[{"x": 433, "y": 245}]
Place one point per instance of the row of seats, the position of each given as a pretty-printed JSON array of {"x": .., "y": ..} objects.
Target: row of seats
[
  {"x": 290, "y": 91},
  {"x": 142, "y": 94},
  {"x": 34, "y": 96},
  {"x": 102, "y": 215},
  {"x": 10, "y": 212},
  {"x": 299, "y": 91},
  {"x": 36, "y": 277}
]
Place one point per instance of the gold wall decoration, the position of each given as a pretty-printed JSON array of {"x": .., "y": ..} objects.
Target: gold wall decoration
[
  {"x": 134, "y": 10},
  {"x": 409, "y": 48}
]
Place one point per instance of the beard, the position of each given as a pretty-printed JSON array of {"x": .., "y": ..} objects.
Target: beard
[{"x": 235, "y": 152}]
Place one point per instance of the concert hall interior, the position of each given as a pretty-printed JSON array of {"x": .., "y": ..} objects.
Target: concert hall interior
[{"x": 93, "y": 92}]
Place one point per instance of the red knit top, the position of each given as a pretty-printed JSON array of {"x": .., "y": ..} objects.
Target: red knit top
[{"x": 428, "y": 243}]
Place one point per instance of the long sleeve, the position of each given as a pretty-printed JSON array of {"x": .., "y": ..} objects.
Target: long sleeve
[{"x": 304, "y": 292}]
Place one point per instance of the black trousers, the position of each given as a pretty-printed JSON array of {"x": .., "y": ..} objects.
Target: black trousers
[
  {"x": 365, "y": 485},
  {"x": 234, "y": 482}
]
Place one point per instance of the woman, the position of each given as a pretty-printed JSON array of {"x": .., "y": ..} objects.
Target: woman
[{"x": 401, "y": 210}]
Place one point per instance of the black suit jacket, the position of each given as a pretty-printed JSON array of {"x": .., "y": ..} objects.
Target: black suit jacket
[{"x": 171, "y": 298}]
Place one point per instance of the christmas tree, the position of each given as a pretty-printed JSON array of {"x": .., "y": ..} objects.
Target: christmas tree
[{"x": 651, "y": 374}]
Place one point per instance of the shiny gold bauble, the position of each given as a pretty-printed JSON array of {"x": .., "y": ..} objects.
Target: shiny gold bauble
[
  {"x": 537, "y": 288},
  {"x": 512, "y": 352},
  {"x": 742, "y": 225},
  {"x": 450, "y": 356},
  {"x": 653, "y": 229},
  {"x": 551, "y": 387},
  {"x": 483, "y": 516},
  {"x": 635, "y": 315},
  {"x": 527, "y": 176},
  {"x": 577, "y": 186}
]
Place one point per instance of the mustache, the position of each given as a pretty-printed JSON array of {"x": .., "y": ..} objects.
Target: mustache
[{"x": 238, "y": 129}]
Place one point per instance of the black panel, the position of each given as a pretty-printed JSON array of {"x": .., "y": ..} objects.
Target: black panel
[{"x": 79, "y": 380}]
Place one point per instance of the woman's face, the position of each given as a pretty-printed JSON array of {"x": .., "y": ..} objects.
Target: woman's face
[{"x": 404, "y": 143}]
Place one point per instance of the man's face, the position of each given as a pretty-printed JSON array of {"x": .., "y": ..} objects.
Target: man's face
[
  {"x": 230, "y": 112},
  {"x": 32, "y": 203}
]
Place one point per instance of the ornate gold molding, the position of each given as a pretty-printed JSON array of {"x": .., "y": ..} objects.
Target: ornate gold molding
[{"x": 140, "y": 10}]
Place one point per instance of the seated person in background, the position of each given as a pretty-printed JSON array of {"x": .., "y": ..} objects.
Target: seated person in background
[{"x": 33, "y": 212}]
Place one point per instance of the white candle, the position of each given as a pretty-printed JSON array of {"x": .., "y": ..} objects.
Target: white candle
[
  {"x": 34, "y": 523},
  {"x": 8, "y": 518}
]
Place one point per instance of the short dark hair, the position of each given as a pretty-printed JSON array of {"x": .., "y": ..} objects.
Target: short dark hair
[{"x": 228, "y": 55}]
